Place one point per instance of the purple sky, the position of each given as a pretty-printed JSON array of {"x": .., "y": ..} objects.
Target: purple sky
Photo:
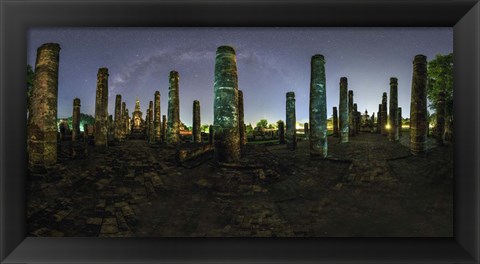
[{"x": 270, "y": 62}]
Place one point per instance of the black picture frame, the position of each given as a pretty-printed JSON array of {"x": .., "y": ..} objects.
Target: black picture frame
[{"x": 17, "y": 16}]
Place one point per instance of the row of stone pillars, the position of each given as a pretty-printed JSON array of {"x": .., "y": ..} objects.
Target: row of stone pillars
[{"x": 228, "y": 132}]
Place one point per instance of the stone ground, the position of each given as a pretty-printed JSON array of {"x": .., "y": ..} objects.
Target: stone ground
[{"x": 369, "y": 187}]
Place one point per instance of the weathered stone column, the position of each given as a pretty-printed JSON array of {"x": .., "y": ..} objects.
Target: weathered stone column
[
  {"x": 151, "y": 133},
  {"x": 101, "y": 109},
  {"x": 335, "y": 122},
  {"x": 355, "y": 118},
  {"x": 42, "y": 119},
  {"x": 384, "y": 114},
  {"x": 173, "y": 123},
  {"x": 196, "y": 132},
  {"x": 118, "y": 116},
  {"x": 76, "y": 119},
  {"x": 281, "y": 132},
  {"x": 157, "y": 124},
  {"x": 306, "y": 131},
  {"x": 126, "y": 122},
  {"x": 318, "y": 107},
  {"x": 291, "y": 121},
  {"x": 379, "y": 119},
  {"x": 344, "y": 113},
  {"x": 393, "y": 118},
  {"x": 111, "y": 129},
  {"x": 211, "y": 134},
  {"x": 225, "y": 107},
  {"x": 440, "y": 129},
  {"x": 147, "y": 124},
  {"x": 164, "y": 128},
  {"x": 351, "y": 114},
  {"x": 399, "y": 121},
  {"x": 123, "y": 132},
  {"x": 241, "y": 120},
  {"x": 418, "y": 106}
]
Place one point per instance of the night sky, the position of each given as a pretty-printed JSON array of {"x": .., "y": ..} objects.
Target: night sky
[{"x": 270, "y": 62}]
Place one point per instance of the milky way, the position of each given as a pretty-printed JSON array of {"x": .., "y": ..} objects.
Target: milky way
[{"x": 270, "y": 61}]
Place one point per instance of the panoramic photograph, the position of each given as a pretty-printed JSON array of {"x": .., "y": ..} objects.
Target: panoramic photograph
[{"x": 239, "y": 132}]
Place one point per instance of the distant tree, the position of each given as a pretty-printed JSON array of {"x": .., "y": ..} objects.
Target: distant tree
[
  {"x": 205, "y": 128},
  {"x": 263, "y": 123},
  {"x": 272, "y": 126},
  {"x": 249, "y": 128},
  {"x": 440, "y": 78},
  {"x": 84, "y": 120}
]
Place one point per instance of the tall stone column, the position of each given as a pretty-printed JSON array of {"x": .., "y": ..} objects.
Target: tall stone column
[
  {"x": 440, "y": 129},
  {"x": 126, "y": 122},
  {"x": 173, "y": 123},
  {"x": 196, "y": 131},
  {"x": 101, "y": 109},
  {"x": 291, "y": 121},
  {"x": 225, "y": 107},
  {"x": 151, "y": 133},
  {"x": 384, "y": 114},
  {"x": 306, "y": 131},
  {"x": 164, "y": 128},
  {"x": 344, "y": 113},
  {"x": 42, "y": 119},
  {"x": 318, "y": 107},
  {"x": 335, "y": 122},
  {"x": 379, "y": 119},
  {"x": 157, "y": 124},
  {"x": 241, "y": 120},
  {"x": 147, "y": 124},
  {"x": 355, "y": 118},
  {"x": 351, "y": 114},
  {"x": 118, "y": 117},
  {"x": 393, "y": 118},
  {"x": 399, "y": 121},
  {"x": 418, "y": 106},
  {"x": 123, "y": 132},
  {"x": 281, "y": 132},
  {"x": 76, "y": 119}
]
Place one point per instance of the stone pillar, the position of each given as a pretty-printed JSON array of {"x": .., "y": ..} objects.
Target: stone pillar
[
  {"x": 164, "y": 128},
  {"x": 281, "y": 132},
  {"x": 393, "y": 107},
  {"x": 306, "y": 131},
  {"x": 440, "y": 129},
  {"x": 147, "y": 124},
  {"x": 343, "y": 121},
  {"x": 379, "y": 119},
  {"x": 126, "y": 122},
  {"x": 318, "y": 107},
  {"x": 225, "y": 107},
  {"x": 42, "y": 119},
  {"x": 418, "y": 106},
  {"x": 355, "y": 118},
  {"x": 173, "y": 123},
  {"x": 241, "y": 120},
  {"x": 384, "y": 115},
  {"x": 399, "y": 121},
  {"x": 76, "y": 119},
  {"x": 123, "y": 132},
  {"x": 151, "y": 133},
  {"x": 118, "y": 116},
  {"x": 335, "y": 122},
  {"x": 211, "y": 135},
  {"x": 101, "y": 109},
  {"x": 111, "y": 129},
  {"x": 351, "y": 114},
  {"x": 157, "y": 125},
  {"x": 196, "y": 130},
  {"x": 291, "y": 121}
]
